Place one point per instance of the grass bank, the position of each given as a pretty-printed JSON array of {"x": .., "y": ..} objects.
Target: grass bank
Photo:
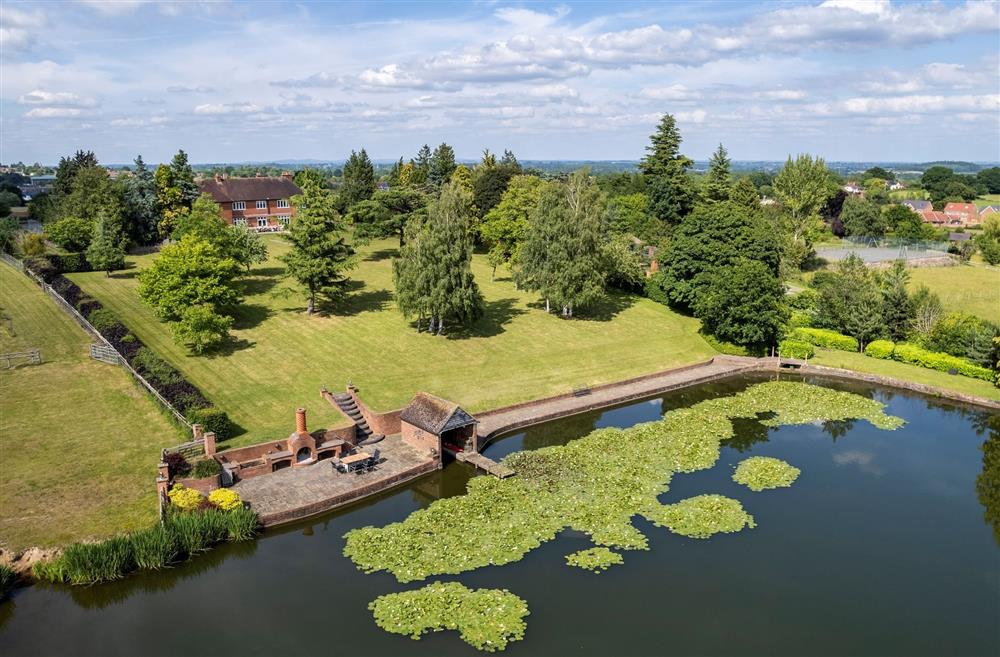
[
  {"x": 78, "y": 439},
  {"x": 517, "y": 352},
  {"x": 861, "y": 363},
  {"x": 970, "y": 288}
]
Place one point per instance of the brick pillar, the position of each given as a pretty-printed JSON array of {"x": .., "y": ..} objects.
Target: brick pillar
[
  {"x": 163, "y": 470},
  {"x": 210, "y": 443},
  {"x": 196, "y": 432},
  {"x": 161, "y": 486}
]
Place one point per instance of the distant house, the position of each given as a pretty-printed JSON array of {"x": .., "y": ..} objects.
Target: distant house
[
  {"x": 262, "y": 203},
  {"x": 965, "y": 214},
  {"x": 932, "y": 216},
  {"x": 896, "y": 185},
  {"x": 988, "y": 210},
  {"x": 853, "y": 188},
  {"x": 917, "y": 206}
]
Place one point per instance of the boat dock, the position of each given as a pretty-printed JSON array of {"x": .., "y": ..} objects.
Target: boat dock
[{"x": 498, "y": 470}]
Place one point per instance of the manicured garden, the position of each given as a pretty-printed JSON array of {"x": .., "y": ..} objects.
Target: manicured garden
[
  {"x": 281, "y": 357},
  {"x": 78, "y": 439}
]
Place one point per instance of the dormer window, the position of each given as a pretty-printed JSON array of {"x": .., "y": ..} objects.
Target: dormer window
[
  {"x": 261, "y": 205},
  {"x": 283, "y": 203},
  {"x": 239, "y": 205}
]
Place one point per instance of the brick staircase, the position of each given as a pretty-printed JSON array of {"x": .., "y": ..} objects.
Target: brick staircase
[{"x": 350, "y": 408}]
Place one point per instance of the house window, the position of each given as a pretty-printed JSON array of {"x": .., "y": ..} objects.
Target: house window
[
  {"x": 283, "y": 218},
  {"x": 261, "y": 205},
  {"x": 239, "y": 205},
  {"x": 283, "y": 203},
  {"x": 240, "y": 221},
  {"x": 261, "y": 222}
]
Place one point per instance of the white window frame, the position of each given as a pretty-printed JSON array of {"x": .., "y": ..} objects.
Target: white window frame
[
  {"x": 239, "y": 205},
  {"x": 261, "y": 222},
  {"x": 283, "y": 203},
  {"x": 261, "y": 205},
  {"x": 284, "y": 219},
  {"x": 240, "y": 221}
]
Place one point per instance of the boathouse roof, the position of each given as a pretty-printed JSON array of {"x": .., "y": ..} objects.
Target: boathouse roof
[{"x": 435, "y": 415}]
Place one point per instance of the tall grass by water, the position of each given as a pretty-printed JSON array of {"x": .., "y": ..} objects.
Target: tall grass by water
[{"x": 180, "y": 537}]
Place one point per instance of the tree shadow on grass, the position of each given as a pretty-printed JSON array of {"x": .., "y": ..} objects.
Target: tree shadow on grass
[
  {"x": 496, "y": 315},
  {"x": 603, "y": 310},
  {"x": 356, "y": 300},
  {"x": 381, "y": 254},
  {"x": 228, "y": 348},
  {"x": 256, "y": 284},
  {"x": 249, "y": 315}
]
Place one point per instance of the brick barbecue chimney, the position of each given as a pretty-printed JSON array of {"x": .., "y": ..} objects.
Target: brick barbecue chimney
[{"x": 300, "y": 421}]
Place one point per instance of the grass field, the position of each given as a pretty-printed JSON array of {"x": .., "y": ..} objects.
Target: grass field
[
  {"x": 987, "y": 199},
  {"x": 515, "y": 353},
  {"x": 970, "y": 288},
  {"x": 78, "y": 440},
  {"x": 861, "y": 363}
]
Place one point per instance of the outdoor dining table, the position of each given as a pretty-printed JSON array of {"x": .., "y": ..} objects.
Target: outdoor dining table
[{"x": 355, "y": 460}]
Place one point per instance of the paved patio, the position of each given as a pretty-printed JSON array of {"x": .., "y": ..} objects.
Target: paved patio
[{"x": 298, "y": 492}]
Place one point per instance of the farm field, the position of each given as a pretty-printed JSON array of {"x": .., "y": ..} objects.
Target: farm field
[
  {"x": 861, "y": 363},
  {"x": 970, "y": 288},
  {"x": 517, "y": 352},
  {"x": 79, "y": 440},
  {"x": 987, "y": 199}
]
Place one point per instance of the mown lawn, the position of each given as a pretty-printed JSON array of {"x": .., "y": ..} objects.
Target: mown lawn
[
  {"x": 515, "y": 353},
  {"x": 79, "y": 441},
  {"x": 973, "y": 288},
  {"x": 861, "y": 363},
  {"x": 987, "y": 199}
]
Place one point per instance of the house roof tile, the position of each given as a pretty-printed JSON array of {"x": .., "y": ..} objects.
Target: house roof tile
[{"x": 227, "y": 190}]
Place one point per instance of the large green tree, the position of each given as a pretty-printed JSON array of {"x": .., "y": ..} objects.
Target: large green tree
[
  {"x": 712, "y": 237},
  {"x": 107, "y": 247},
  {"x": 176, "y": 191},
  {"x": 359, "y": 179},
  {"x": 433, "y": 274},
  {"x": 562, "y": 254},
  {"x": 320, "y": 255},
  {"x": 141, "y": 207},
  {"x": 897, "y": 306},
  {"x": 187, "y": 273},
  {"x": 442, "y": 165},
  {"x": 503, "y": 228},
  {"x": 742, "y": 303},
  {"x": 862, "y": 218},
  {"x": 851, "y": 301},
  {"x": 671, "y": 191},
  {"x": 802, "y": 186},
  {"x": 718, "y": 181},
  {"x": 387, "y": 213},
  {"x": 907, "y": 224}
]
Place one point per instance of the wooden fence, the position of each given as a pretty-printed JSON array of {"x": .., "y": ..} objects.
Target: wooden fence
[
  {"x": 113, "y": 356},
  {"x": 33, "y": 357}
]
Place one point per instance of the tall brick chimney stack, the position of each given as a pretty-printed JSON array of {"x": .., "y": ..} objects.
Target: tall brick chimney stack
[{"x": 300, "y": 420}]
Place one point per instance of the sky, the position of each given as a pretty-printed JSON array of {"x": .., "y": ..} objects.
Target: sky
[{"x": 258, "y": 81}]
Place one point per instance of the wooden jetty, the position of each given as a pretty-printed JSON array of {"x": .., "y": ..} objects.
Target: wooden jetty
[{"x": 498, "y": 470}]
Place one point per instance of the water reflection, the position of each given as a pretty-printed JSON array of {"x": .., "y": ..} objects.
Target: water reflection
[{"x": 988, "y": 481}]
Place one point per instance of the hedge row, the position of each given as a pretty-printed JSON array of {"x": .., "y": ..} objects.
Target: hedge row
[
  {"x": 795, "y": 349},
  {"x": 934, "y": 360},
  {"x": 167, "y": 381},
  {"x": 825, "y": 338}
]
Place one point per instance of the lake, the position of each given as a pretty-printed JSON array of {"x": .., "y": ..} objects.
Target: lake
[{"x": 879, "y": 548}]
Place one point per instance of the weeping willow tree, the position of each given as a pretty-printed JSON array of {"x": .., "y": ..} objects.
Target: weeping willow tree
[{"x": 433, "y": 274}]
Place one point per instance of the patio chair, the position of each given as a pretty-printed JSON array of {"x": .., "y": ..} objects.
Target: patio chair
[{"x": 377, "y": 457}]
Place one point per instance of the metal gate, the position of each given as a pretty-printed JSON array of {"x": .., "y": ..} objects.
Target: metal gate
[{"x": 104, "y": 354}]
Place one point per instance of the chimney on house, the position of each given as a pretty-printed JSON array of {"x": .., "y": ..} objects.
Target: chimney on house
[
  {"x": 300, "y": 421},
  {"x": 218, "y": 177},
  {"x": 260, "y": 175},
  {"x": 286, "y": 174}
]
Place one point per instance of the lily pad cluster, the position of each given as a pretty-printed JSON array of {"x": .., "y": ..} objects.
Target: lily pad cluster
[
  {"x": 763, "y": 472},
  {"x": 702, "y": 516},
  {"x": 595, "y": 484},
  {"x": 485, "y": 618},
  {"x": 596, "y": 559}
]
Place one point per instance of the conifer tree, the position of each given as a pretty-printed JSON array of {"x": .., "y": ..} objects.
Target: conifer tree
[
  {"x": 107, "y": 248},
  {"x": 421, "y": 166},
  {"x": 433, "y": 275},
  {"x": 717, "y": 185},
  {"x": 671, "y": 191},
  {"x": 142, "y": 210},
  {"x": 320, "y": 255},
  {"x": 183, "y": 177},
  {"x": 442, "y": 165},
  {"x": 745, "y": 195},
  {"x": 359, "y": 179}
]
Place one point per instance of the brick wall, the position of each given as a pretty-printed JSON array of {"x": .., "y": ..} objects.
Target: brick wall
[
  {"x": 386, "y": 424},
  {"x": 424, "y": 441}
]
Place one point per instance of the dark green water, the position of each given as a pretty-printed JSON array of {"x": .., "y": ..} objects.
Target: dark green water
[{"x": 879, "y": 548}]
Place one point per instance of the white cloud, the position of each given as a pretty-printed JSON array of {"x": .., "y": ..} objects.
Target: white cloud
[
  {"x": 113, "y": 7},
  {"x": 923, "y": 104},
  {"x": 52, "y": 112},
  {"x": 670, "y": 92},
  {"x": 182, "y": 89},
  {"x": 781, "y": 94},
  {"x": 18, "y": 28},
  {"x": 55, "y": 99},
  {"x": 226, "y": 108}
]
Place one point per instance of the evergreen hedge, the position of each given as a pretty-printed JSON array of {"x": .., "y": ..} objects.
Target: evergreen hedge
[
  {"x": 795, "y": 349},
  {"x": 910, "y": 353},
  {"x": 825, "y": 338},
  {"x": 880, "y": 349}
]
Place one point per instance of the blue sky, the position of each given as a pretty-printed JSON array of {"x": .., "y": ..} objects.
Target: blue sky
[{"x": 845, "y": 79}]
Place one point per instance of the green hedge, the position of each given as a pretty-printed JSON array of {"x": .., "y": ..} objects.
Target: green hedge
[
  {"x": 212, "y": 419},
  {"x": 795, "y": 349},
  {"x": 800, "y": 319},
  {"x": 825, "y": 338},
  {"x": 909, "y": 353},
  {"x": 880, "y": 349}
]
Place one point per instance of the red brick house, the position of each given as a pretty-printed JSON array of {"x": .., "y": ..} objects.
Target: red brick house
[
  {"x": 262, "y": 203},
  {"x": 963, "y": 213}
]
